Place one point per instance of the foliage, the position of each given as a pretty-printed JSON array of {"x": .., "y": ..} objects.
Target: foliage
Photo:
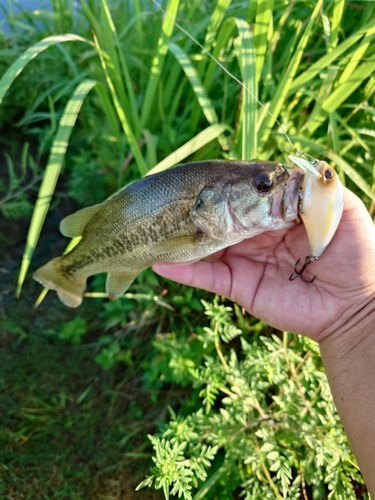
[
  {"x": 14, "y": 202},
  {"x": 266, "y": 424},
  {"x": 149, "y": 124},
  {"x": 173, "y": 469},
  {"x": 73, "y": 330}
]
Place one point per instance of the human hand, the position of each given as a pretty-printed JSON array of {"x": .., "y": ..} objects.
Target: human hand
[{"x": 255, "y": 272}]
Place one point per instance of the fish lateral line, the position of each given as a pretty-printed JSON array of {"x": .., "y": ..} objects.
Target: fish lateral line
[{"x": 226, "y": 71}]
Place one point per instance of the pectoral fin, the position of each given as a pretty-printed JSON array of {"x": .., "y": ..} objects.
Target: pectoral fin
[
  {"x": 117, "y": 284},
  {"x": 178, "y": 244},
  {"x": 74, "y": 224}
]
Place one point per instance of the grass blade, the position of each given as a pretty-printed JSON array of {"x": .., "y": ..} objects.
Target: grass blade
[
  {"x": 211, "y": 35},
  {"x": 192, "y": 75},
  {"x": 358, "y": 55},
  {"x": 318, "y": 115},
  {"x": 15, "y": 69},
  {"x": 51, "y": 174},
  {"x": 122, "y": 117},
  {"x": 112, "y": 47},
  {"x": 207, "y": 485},
  {"x": 215, "y": 22},
  {"x": 110, "y": 114},
  {"x": 93, "y": 19},
  {"x": 158, "y": 60},
  {"x": 336, "y": 142},
  {"x": 328, "y": 59},
  {"x": 261, "y": 28},
  {"x": 138, "y": 15},
  {"x": 247, "y": 63},
  {"x": 351, "y": 132},
  {"x": 345, "y": 89},
  {"x": 220, "y": 45},
  {"x": 338, "y": 9},
  {"x": 286, "y": 81},
  {"x": 197, "y": 142}
]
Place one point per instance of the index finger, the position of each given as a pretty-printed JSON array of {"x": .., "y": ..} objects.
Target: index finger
[{"x": 214, "y": 277}]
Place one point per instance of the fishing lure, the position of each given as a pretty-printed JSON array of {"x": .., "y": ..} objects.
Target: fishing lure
[{"x": 321, "y": 207}]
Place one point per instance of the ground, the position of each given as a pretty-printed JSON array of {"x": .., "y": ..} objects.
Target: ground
[{"x": 55, "y": 442}]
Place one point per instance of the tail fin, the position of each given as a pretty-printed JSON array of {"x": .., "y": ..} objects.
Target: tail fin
[{"x": 68, "y": 290}]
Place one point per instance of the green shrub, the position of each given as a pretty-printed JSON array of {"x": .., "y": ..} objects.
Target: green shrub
[{"x": 264, "y": 423}]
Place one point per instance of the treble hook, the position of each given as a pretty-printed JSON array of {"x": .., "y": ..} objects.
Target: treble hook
[{"x": 299, "y": 273}]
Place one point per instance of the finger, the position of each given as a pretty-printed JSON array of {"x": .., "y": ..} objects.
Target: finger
[{"x": 214, "y": 277}]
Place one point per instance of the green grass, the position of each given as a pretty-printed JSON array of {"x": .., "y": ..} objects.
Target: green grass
[
  {"x": 79, "y": 394},
  {"x": 252, "y": 135},
  {"x": 66, "y": 427},
  {"x": 105, "y": 95}
]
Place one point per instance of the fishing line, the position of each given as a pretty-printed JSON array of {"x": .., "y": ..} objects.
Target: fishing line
[{"x": 206, "y": 51}]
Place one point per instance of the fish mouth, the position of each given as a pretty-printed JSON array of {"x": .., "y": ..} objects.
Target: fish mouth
[
  {"x": 285, "y": 203},
  {"x": 291, "y": 196}
]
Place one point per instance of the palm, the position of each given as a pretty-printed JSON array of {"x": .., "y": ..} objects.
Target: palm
[{"x": 255, "y": 274}]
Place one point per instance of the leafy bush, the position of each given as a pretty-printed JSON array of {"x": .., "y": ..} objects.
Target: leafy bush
[{"x": 265, "y": 420}]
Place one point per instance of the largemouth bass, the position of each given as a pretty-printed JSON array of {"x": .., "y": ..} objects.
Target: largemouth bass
[{"x": 179, "y": 215}]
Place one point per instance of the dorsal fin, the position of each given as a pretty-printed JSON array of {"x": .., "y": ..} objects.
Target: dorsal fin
[{"x": 74, "y": 224}]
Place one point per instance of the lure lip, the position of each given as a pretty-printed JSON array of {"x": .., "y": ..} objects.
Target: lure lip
[{"x": 307, "y": 166}]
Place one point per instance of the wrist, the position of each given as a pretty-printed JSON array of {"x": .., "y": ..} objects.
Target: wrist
[
  {"x": 349, "y": 360},
  {"x": 357, "y": 328},
  {"x": 355, "y": 324}
]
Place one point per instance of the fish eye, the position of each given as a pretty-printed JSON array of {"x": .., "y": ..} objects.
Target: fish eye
[
  {"x": 328, "y": 174},
  {"x": 263, "y": 183}
]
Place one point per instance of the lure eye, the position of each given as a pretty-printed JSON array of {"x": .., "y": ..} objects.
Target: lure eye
[
  {"x": 263, "y": 183},
  {"x": 328, "y": 174}
]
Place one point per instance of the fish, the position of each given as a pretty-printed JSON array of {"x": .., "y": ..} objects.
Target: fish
[{"x": 179, "y": 215}]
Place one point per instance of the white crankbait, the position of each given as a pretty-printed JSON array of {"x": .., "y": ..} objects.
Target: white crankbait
[{"x": 321, "y": 206}]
